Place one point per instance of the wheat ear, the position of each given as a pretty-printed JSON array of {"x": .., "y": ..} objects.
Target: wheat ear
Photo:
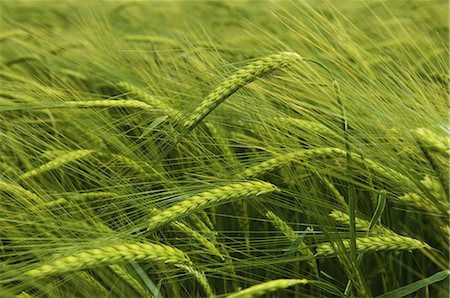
[
  {"x": 199, "y": 237},
  {"x": 306, "y": 125},
  {"x": 340, "y": 198},
  {"x": 432, "y": 141},
  {"x": 433, "y": 186},
  {"x": 267, "y": 287},
  {"x": 194, "y": 235},
  {"x": 201, "y": 278},
  {"x": 138, "y": 93},
  {"x": 29, "y": 198},
  {"x": 128, "y": 103},
  {"x": 240, "y": 78},
  {"x": 150, "y": 100},
  {"x": 100, "y": 290},
  {"x": 61, "y": 158},
  {"x": 446, "y": 231},
  {"x": 209, "y": 198},
  {"x": 329, "y": 152},
  {"x": 123, "y": 274},
  {"x": 292, "y": 236},
  {"x": 419, "y": 202},
  {"x": 61, "y": 202},
  {"x": 276, "y": 162},
  {"x": 58, "y": 162},
  {"x": 201, "y": 225},
  {"x": 108, "y": 255},
  {"x": 202, "y": 219},
  {"x": 372, "y": 244},
  {"x": 360, "y": 224}
]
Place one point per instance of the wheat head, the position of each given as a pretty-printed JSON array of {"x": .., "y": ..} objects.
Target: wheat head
[
  {"x": 290, "y": 234},
  {"x": 58, "y": 162},
  {"x": 268, "y": 287},
  {"x": 372, "y": 244},
  {"x": 128, "y": 103},
  {"x": 108, "y": 255},
  {"x": 240, "y": 78},
  {"x": 360, "y": 224},
  {"x": 209, "y": 198},
  {"x": 432, "y": 141}
]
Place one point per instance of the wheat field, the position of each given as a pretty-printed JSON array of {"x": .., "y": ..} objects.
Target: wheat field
[{"x": 224, "y": 148}]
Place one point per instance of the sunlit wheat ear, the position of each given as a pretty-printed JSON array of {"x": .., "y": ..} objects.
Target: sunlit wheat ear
[
  {"x": 108, "y": 255},
  {"x": 290, "y": 234},
  {"x": 373, "y": 244},
  {"x": 210, "y": 198},
  {"x": 240, "y": 78},
  {"x": 58, "y": 162},
  {"x": 108, "y": 104},
  {"x": 360, "y": 224},
  {"x": 268, "y": 287},
  {"x": 117, "y": 269},
  {"x": 432, "y": 141}
]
